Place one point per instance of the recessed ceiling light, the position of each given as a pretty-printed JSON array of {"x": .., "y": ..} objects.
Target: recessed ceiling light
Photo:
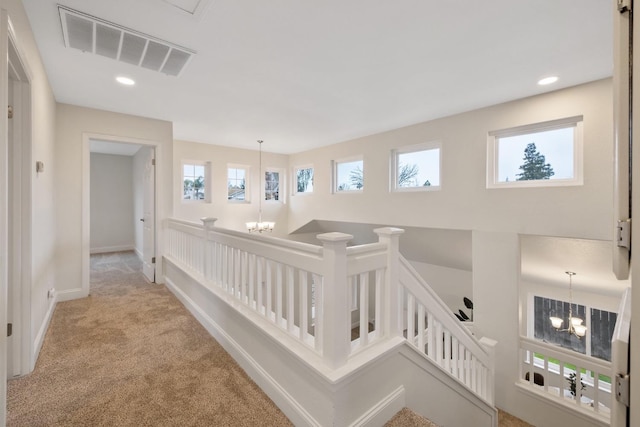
[
  {"x": 125, "y": 81},
  {"x": 547, "y": 80}
]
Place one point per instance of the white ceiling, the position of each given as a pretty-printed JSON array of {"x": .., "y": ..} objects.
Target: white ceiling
[
  {"x": 545, "y": 260},
  {"x": 302, "y": 74}
]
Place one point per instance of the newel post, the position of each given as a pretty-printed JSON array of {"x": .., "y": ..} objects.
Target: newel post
[
  {"x": 392, "y": 322},
  {"x": 208, "y": 223},
  {"x": 490, "y": 345},
  {"x": 335, "y": 323}
]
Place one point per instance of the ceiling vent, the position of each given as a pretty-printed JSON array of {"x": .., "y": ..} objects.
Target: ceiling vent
[{"x": 90, "y": 34}]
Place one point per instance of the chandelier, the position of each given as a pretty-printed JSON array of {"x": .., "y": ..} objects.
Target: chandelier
[
  {"x": 575, "y": 323},
  {"x": 260, "y": 226}
]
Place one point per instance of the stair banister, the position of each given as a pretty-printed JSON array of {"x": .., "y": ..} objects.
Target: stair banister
[
  {"x": 335, "y": 341},
  {"x": 208, "y": 223},
  {"x": 392, "y": 325}
]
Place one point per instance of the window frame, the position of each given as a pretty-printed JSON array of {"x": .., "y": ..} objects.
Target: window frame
[
  {"x": 589, "y": 304},
  {"x": 334, "y": 174},
  {"x": 281, "y": 184},
  {"x": 247, "y": 182},
  {"x": 415, "y": 148},
  {"x": 207, "y": 180},
  {"x": 294, "y": 178},
  {"x": 493, "y": 137}
]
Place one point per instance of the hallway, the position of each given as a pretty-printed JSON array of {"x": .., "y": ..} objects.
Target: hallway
[{"x": 131, "y": 354}]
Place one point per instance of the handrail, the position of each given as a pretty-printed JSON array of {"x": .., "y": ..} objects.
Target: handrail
[
  {"x": 434, "y": 331},
  {"x": 553, "y": 373},
  {"x": 441, "y": 311},
  {"x": 552, "y": 351},
  {"x": 317, "y": 294}
]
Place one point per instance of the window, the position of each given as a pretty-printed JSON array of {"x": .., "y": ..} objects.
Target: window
[
  {"x": 194, "y": 181},
  {"x": 348, "y": 175},
  {"x": 416, "y": 168},
  {"x": 543, "y": 154},
  {"x": 600, "y": 325},
  {"x": 304, "y": 179},
  {"x": 272, "y": 185},
  {"x": 237, "y": 185}
]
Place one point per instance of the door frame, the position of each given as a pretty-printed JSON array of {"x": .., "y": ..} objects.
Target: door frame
[
  {"x": 86, "y": 199},
  {"x": 24, "y": 357}
]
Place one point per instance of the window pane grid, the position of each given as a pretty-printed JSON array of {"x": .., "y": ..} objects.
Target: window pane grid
[
  {"x": 193, "y": 178},
  {"x": 236, "y": 184}
]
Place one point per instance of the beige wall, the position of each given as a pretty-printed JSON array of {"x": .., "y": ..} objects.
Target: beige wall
[
  {"x": 73, "y": 124},
  {"x": 464, "y": 202},
  {"x": 43, "y": 237},
  {"x": 232, "y": 215},
  {"x": 112, "y": 214}
]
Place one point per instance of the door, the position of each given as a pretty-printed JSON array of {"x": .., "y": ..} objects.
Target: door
[{"x": 149, "y": 217}]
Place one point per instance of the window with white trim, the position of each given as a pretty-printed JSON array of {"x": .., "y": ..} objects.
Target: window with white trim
[
  {"x": 348, "y": 175},
  {"x": 195, "y": 176},
  {"x": 416, "y": 167},
  {"x": 599, "y": 323},
  {"x": 238, "y": 183},
  {"x": 272, "y": 185},
  {"x": 303, "y": 176},
  {"x": 537, "y": 155}
]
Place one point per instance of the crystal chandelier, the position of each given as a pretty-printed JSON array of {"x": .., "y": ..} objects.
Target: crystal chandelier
[
  {"x": 575, "y": 323},
  {"x": 260, "y": 226}
]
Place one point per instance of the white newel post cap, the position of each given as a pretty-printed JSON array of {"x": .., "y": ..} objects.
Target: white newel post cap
[
  {"x": 388, "y": 231},
  {"x": 334, "y": 237},
  {"x": 208, "y": 221}
]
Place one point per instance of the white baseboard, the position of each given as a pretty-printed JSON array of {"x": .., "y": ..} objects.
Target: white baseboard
[
  {"x": 70, "y": 294},
  {"x": 291, "y": 408},
  {"x": 384, "y": 410},
  {"x": 139, "y": 253},
  {"x": 42, "y": 331},
  {"x": 106, "y": 249}
]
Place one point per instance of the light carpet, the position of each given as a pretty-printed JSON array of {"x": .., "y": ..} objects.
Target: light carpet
[{"x": 131, "y": 355}]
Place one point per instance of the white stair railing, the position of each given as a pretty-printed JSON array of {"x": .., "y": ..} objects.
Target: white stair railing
[
  {"x": 432, "y": 329},
  {"x": 334, "y": 300},
  {"x": 567, "y": 377}
]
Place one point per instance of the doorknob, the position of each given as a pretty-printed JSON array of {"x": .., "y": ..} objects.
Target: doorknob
[{"x": 142, "y": 219}]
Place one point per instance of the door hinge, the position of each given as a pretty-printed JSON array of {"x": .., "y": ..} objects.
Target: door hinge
[
  {"x": 9, "y": 329},
  {"x": 622, "y": 389},
  {"x": 623, "y": 233},
  {"x": 153, "y": 260},
  {"x": 10, "y": 112},
  {"x": 624, "y": 6},
  {"x": 153, "y": 162}
]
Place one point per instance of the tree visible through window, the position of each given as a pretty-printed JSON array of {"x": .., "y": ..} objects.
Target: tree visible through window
[
  {"x": 272, "y": 185},
  {"x": 193, "y": 179},
  {"x": 543, "y": 154},
  {"x": 349, "y": 176},
  {"x": 535, "y": 165},
  {"x": 417, "y": 167},
  {"x": 304, "y": 180},
  {"x": 236, "y": 183}
]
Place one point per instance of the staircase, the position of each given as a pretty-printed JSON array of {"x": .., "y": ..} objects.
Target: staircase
[{"x": 286, "y": 310}]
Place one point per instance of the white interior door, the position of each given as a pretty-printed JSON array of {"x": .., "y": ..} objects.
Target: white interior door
[{"x": 149, "y": 217}]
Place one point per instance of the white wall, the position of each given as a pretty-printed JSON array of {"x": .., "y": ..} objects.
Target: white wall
[
  {"x": 138, "y": 198},
  {"x": 74, "y": 126},
  {"x": 41, "y": 265},
  {"x": 451, "y": 284},
  {"x": 231, "y": 215},
  {"x": 111, "y": 203},
  {"x": 464, "y": 202}
]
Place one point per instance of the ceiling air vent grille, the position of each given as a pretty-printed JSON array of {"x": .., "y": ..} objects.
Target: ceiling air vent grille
[{"x": 90, "y": 34}]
